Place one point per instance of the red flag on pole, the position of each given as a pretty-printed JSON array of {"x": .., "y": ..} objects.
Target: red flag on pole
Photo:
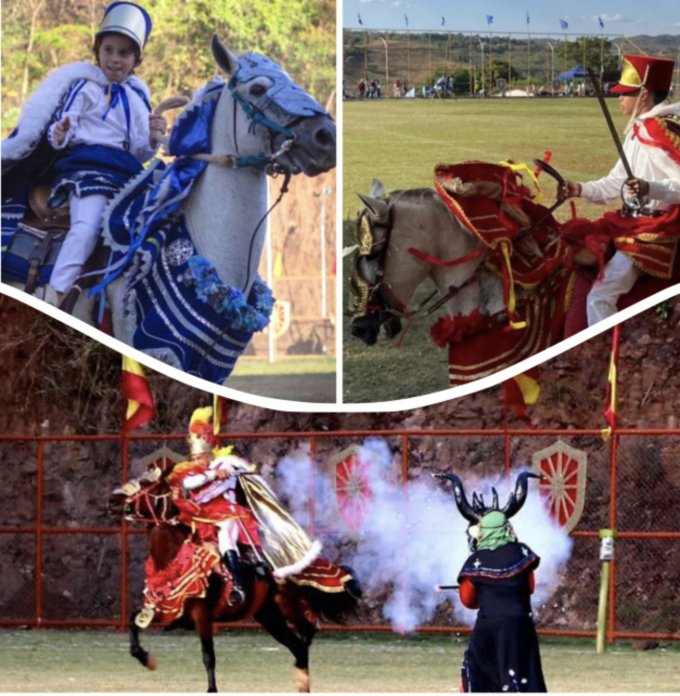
[
  {"x": 521, "y": 391},
  {"x": 611, "y": 397},
  {"x": 218, "y": 413},
  {"x": 137, "y": 393}
]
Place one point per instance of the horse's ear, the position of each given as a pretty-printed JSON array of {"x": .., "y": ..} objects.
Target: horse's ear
[
  {"x": 377, "y": 189},
  {"x": 226, "y": 60},
  {"x": 377, "y": 207}
]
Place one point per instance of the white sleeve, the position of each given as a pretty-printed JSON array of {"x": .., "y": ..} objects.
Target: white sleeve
[
  {"x": 197, "y": 480},
  {"x": 140, "y": 147},
  {"x": 663, "y": 177},
  {"x": 607, "y": 188},
  {"x": 81, "y": 103},
  {"x": 667, "y": 190}
]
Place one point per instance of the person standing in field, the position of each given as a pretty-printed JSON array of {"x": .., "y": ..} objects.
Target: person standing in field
[{"x": 498, "y": 580}]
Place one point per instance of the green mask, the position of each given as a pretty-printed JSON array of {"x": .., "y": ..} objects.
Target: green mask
[{"x": 495, "y": 531}]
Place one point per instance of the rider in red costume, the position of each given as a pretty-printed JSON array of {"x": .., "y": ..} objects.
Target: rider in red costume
[{"x": 205, "y": 492}]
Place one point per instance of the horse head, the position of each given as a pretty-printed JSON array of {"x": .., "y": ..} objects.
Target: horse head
[
  {"x": 143, "y": 499},
  {"x": 298, "y": 134},
  {"x": 402, "y": 239},
  {"x": 371, "y": 309}
]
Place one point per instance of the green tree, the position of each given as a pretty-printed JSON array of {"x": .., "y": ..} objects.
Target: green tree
[
  {"x": 39, "y": 36},
  {"x": 591, "y": 52}
]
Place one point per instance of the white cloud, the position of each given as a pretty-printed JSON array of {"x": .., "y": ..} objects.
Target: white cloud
[{"x": 616, "y": 18}]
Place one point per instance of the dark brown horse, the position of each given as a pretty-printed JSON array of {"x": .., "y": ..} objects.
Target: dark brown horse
[{"x": 290, "y": 612}]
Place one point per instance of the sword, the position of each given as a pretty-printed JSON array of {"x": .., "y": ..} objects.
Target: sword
[
  {"x": 444, "y": 588},
  {"x": 612, "y": 129},
  {"x": 560, "y": 182}
]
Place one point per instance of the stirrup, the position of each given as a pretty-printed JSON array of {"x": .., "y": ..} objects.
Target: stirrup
[
  {"x": 236, "y": 596},
  {"x": 144, "y": 617}
]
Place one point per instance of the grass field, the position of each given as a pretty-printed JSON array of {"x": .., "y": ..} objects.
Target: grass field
[
  {"x": 310, "y": 379},
  {"x": 82, "y": 661},
  {"x": 400, "y": 141}
]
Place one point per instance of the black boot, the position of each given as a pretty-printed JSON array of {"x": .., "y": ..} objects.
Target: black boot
[{"x": 233, "y": 562}]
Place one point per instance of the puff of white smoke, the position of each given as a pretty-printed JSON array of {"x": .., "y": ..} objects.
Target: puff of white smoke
[
  {"x": 413, "y": 537},
  {"x": 309, "y": 496}
]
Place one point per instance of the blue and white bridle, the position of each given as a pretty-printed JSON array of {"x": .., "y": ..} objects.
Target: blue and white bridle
[{"x": 283, "y": 95}]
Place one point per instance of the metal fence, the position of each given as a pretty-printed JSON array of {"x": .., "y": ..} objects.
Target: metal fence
[
  {"x": 65, "y": 563},
  {"x": 474, "y": 61}
]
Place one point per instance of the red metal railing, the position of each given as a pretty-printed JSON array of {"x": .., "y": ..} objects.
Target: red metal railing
[{"x": 622, "y": 453}]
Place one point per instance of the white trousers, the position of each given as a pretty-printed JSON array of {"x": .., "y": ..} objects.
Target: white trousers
[
  {"x": 620, "y": 275},
  {"x": 227, "y": 536},
  {"x": 80, "y": 241}
]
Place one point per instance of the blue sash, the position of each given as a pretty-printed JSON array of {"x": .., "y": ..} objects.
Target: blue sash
[{"x": 90, "y": 169}]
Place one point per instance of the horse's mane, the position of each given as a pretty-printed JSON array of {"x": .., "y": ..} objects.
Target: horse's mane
[{"x": 415, "y": 195}]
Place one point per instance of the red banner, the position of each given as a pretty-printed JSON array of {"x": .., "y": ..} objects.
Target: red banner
[
  {"x": 137, "y": 393},
  {"x": 610, "y": 400}
]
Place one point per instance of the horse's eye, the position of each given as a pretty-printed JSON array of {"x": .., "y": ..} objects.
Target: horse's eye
[{"x": 257, "y": 90}]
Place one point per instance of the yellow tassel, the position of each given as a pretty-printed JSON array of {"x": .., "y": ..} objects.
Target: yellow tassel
[
  {"x": 526, "y": 169},
  {"x": 512, "y": 300}
]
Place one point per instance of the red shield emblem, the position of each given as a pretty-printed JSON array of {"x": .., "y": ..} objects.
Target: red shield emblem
[
  {"x": 350, "y": 475},
  {"x": 563, "y": 481}
]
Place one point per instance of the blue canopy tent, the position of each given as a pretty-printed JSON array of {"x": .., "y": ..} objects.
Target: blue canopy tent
[{"x": 576, "y": 71}]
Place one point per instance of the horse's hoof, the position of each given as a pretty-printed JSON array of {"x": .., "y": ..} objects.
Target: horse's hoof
[
  {"x": 151, "y": 662},
  {"x": 302, "y": 680}
]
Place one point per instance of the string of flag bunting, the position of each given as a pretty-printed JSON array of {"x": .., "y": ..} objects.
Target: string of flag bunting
[{"x": 564, "y": 24}]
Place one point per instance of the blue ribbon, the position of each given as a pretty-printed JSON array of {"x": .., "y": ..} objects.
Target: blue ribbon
[{"x": 118, "y": 95}]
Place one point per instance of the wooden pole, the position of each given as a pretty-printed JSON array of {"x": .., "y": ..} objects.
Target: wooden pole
[{"x": 606, "y": 557}]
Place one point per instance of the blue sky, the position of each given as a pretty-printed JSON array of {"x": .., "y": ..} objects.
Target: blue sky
[{"x": 627, "y": 17}]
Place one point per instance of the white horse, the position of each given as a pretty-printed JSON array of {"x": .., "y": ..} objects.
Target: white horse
[
  {"x": 409, "y": 236},
  {"x": 388, "y": 273},
  {"x": 262, "y": 124}
]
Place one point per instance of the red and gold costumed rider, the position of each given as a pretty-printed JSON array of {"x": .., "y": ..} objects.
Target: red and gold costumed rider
[
  {"x": 645, "y": 232},
  {"x": 221, "y": 497}
]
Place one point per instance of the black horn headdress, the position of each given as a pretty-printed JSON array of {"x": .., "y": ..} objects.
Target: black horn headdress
[{"x": 475, "y": 511}]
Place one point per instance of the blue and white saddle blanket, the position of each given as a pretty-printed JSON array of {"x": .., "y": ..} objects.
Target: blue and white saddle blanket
[
  {"x": 85, "y": 170},
  {"x": 176, "y": 306}
]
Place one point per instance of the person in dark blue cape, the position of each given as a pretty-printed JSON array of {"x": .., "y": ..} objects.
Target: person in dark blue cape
[{"x": 498, "y": 579}]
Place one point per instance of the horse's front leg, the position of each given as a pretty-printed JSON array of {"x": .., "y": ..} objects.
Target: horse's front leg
[
  {"x": 271, "y": 619},
  {"x": 200, "y": 613},
  {"x": 136, "y": 650}
]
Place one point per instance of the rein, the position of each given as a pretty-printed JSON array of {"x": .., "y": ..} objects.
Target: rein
[
  {"x": 146, "y": 496},
  {"x": 393, "y": 305},
  {"x": 268, "y": 163}
]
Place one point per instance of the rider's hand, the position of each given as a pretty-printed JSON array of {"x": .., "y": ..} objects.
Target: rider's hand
[
  {"x": 569, "y": 189},
  {"x": 60, "y": 131},
  {"x": 157, "y": 127},
  {"x": 221, "y": 474},
  {"x": 637, "y": 187}
]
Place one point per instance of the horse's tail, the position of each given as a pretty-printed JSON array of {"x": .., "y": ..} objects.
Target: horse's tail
[{"x": 335, "y": 607}]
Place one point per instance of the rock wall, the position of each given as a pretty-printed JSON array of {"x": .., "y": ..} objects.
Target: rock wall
[{"x": 57, "y": 382}]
